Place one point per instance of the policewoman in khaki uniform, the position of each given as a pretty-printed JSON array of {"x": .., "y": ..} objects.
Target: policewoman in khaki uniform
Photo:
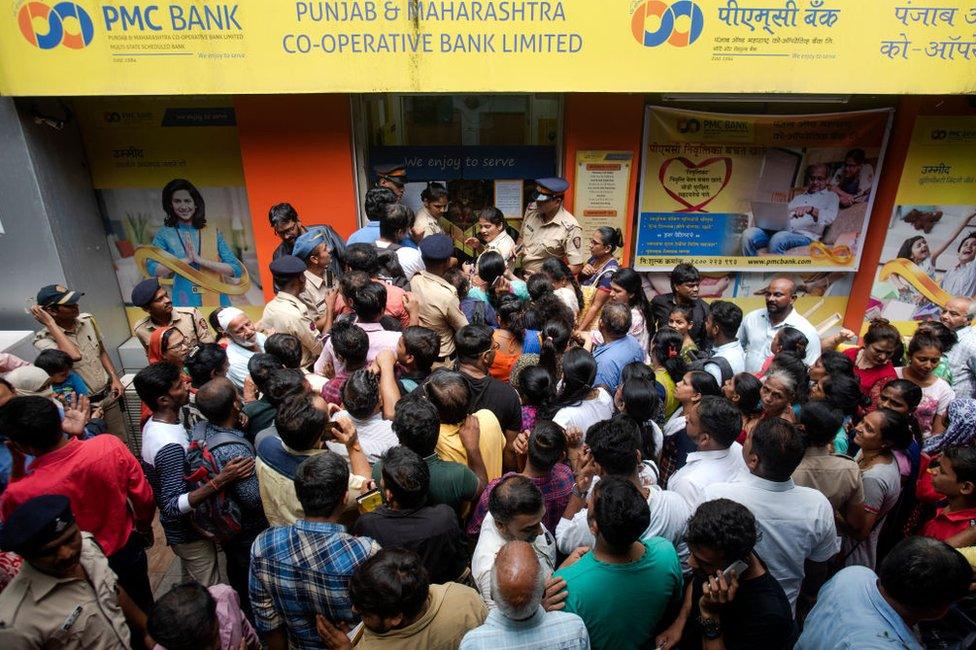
[
  {"x": 155, "y": 300},
  {"x": 65, "y": 595},
  {"x": 77, "y": 335},
  {"x": 549, "y": 230}
]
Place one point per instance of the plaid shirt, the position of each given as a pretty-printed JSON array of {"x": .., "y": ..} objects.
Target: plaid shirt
[
  {"x": 302, "y": 570},
  {"x": 556, "y": 487},
  {"x": 332, "y": 391}
]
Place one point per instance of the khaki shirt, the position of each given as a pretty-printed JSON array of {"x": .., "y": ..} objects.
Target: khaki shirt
[
  {"x": 561, "y": 237},
  {"x": 41, "y": 611},
  {"x": 836, "y": 477},
  {"x": 440, "y": 309},
  {"x": 425, "y": 223},
  {"x": 186, "y": 319},
  {"x": 89, "y": 342},
  {"x": 278, "y": 497},
  {"x": 314, "y": 294},
  {"x": 286, "y": 314}
]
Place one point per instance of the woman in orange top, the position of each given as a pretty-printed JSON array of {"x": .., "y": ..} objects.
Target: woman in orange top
[{"x": 508, "y": 337}]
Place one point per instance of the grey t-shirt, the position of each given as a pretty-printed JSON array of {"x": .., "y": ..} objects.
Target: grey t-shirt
[{"x": 882, "y": 486}]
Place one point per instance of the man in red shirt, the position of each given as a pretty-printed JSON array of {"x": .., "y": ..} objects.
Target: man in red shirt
[
  {"x": 955, "y": 477},
  {"x": 109, "y": 494}
]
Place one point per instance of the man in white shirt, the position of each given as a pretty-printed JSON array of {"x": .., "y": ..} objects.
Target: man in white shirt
[
  {"x": 713, "y": 426},
  {"x": 958, "y": 316},
  {"x": 364, "y": 406},
  {"x": 245, "y": 342},
  {"x": 615, "y": 445},
  {"x": 515, "y": 511},
  {"x": 810, "y": 215},
  {"x": 721, "y": 327},
  {"x": 760, "y": 326},
  {"x": 796, "y": 523},
  {"x": 395, "y": 224}
]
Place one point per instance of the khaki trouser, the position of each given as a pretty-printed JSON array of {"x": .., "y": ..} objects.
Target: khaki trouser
[
  {"x": 115, "y": 419},
  {"x": 198, "y": 561}
]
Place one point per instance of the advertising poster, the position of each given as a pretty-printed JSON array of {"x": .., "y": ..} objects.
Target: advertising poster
[
  {"x": 171, "y": 188},
  {"x": 930, "y": 248},
  {"x": 602, "y": 183},
  {"x": 757, "y": 192},
  {"x": 97, "y": 47}
]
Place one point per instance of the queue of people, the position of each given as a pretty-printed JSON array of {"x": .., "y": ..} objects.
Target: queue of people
[{"x": 518, "y": 452}]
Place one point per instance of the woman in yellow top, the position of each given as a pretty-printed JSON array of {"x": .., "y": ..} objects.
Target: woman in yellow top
[{"x": 669, "y": 367}]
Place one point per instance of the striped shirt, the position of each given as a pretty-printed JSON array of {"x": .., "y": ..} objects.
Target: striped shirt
[{"x": 302, "y": 570}]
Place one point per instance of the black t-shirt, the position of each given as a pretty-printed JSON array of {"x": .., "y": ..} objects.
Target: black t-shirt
[
  {"x": 662, "y": 305},
  {"x": 499, "y": 398},
  {"x": 432, "y": 532},
  {"x": 758, "y": 617}
]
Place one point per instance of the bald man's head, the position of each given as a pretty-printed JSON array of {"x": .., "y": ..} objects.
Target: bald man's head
[
  {"x": 517, "y": 581},
  {"x": 958, "y": 313},
  {"x": 217, "y": 400},
  {"x": 780, "y": 298}
]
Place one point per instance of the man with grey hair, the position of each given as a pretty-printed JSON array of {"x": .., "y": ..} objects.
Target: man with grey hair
[
  {"x": 519, "y": 620},
  {"x": 957, "y": 316},
  {"x": 618, "y": 349}
]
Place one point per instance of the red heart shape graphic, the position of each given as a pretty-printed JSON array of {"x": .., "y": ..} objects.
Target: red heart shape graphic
[{"x": 690, "y": 165}]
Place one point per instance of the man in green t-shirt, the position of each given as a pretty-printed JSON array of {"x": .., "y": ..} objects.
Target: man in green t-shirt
[
  {"x": 624, "y": 587},
  {"x": 417, "y": 426}
]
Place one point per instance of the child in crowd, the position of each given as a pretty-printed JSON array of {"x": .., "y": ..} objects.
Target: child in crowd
[
  {"x": 954, "y": 477},
  {"x": 924, "y": 354},
  {"x": 669, "y": 367},
  {"x": 680, "y": 320},
  {"x": 788, "y": 339},
  {"x": 416, "y": 353},
  {"x": 535, "y": 387},
  {"x": 831, "y": 362},
  {"x": 191, "y": 616},
  {"x": 842, "y": 392},
  {"x": 67, "y": 384}
]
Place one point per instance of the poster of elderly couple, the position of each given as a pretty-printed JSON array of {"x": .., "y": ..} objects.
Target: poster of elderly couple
[{"x": 758, "y": 192}]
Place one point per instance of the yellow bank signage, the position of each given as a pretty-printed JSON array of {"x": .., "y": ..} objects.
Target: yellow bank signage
[{"x": 87, "y": 47}]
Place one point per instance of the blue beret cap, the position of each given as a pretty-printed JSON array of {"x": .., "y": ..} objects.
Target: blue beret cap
[
  {"x": 308, "y": 241},
  {"x": 287, "y": 265},
  {"x": 143, "y": 292},
  {"x": 550, "y": 187},
  {"x": 437, "y": 247},
  {"x": 57, "y": 294},
  {"x": 35, "y": 523}
]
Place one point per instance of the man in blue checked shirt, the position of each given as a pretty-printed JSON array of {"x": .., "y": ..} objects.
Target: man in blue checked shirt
[{"x": 302, "y": 570}]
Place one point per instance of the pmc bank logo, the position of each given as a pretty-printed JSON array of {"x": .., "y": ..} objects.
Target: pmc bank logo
[
  {"x": 656, "y": 22},
  {"x": 47, "y": 27}
]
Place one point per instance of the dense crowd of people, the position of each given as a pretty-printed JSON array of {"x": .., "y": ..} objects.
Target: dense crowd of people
[{"x": 520, "y": 450}]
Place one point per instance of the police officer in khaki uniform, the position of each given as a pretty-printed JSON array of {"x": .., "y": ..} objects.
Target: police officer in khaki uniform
[
  {"x": 440, "y": 309},
  {"x": 155, "y": 300},
  {"x": 312, "y": 247},
  {"x": 65, "y": 595},
  {"x": 77, "y": 335},
  {"x": 286, "y": 313},
  {"x": 549, "y": 230}
]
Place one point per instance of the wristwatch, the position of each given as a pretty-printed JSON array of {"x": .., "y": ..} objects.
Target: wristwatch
[
  {"x": 578, "y": 492},
  {"x": 711, "y": 627}
]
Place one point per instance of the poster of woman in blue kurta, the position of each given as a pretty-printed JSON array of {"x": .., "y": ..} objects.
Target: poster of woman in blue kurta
[{"x": 170, "y": 185}]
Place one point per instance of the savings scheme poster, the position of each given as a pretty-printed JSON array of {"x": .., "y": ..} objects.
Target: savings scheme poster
[
  {"x": 757, "y": 192},
  {"x": 929, "y": 251},
  {"x": 170, "y": 185},
  {"x": 138, "y": 47}
]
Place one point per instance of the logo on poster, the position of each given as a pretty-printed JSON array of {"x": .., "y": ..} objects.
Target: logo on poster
[
  {"x": 47, "y": 27},
  {"x": 656, "y": 22}
]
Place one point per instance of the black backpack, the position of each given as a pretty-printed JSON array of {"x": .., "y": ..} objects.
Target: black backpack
[
  {"x": 697, "y": 360},
  {"x": 389, "y": 266}
]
